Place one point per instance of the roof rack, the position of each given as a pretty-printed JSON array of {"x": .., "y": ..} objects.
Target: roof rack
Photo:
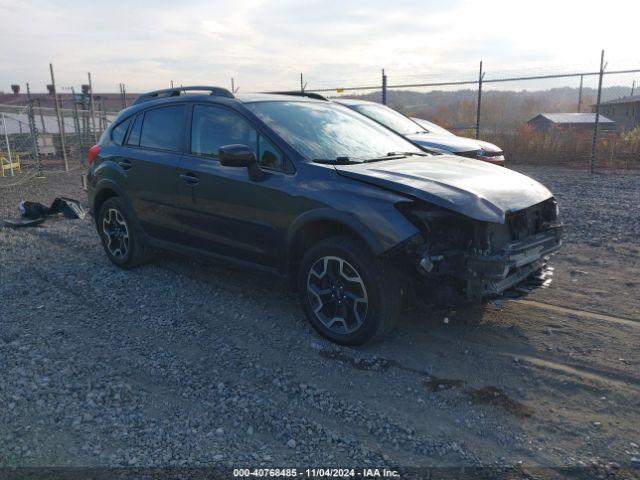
[
  {"x": 298, "y": 93},
  {"x": 176, "y": 91}
]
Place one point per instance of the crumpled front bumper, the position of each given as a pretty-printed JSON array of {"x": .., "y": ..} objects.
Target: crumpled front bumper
[{"x": 493, "y": 274}]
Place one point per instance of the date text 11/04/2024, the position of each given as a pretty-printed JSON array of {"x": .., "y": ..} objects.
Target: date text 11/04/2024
[{"x": 316, "y": 473}]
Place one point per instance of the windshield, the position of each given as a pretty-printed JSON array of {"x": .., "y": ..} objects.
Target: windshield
[
  {"x": 389, "y": 118},
  {"x": 326, "y": 131},
  {"x": 431, "y": 127}
]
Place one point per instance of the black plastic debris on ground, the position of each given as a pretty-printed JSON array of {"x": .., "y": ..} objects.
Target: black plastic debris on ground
[{"x": 34, "y": 213}]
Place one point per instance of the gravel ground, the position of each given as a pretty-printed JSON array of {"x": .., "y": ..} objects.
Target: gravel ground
[{"x": 183, "y": 363}]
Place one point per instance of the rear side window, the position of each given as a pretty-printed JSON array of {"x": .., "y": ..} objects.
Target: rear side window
[
  {"x": 134, "y": 135},
  {"x": 119, "y": 131},
  {"x": 163, "y": 128}
]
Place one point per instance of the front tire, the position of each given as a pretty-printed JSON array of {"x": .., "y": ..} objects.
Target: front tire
[
  {"x": 121, "y": 240},
  {"x": 349, "y": 296}
]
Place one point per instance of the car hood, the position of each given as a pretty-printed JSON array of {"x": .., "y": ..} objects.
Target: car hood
[
  {"x": 451, "y": 143},
  {"x": 475, "y": 189}
]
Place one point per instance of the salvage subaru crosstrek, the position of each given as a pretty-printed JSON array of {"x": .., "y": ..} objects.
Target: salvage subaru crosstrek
[{"x": 357, "y": 217}]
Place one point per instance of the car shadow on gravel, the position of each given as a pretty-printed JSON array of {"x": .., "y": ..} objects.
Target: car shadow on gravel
[
  {"x": 450, "y": 340},
  {"x": 430, "y": 327}
]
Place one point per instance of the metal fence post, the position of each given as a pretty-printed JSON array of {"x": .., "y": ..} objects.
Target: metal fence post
[
  {"x": 99, "y": 113},
  {"x": 580, "y": 94},
  {"x": 92, "y": 108},
  {"x": 480, "y": 78},
  {"x": 122, "y": 99},
  {"x": 76, "y": 125},
  {"x": 60, "y": 120},
  {"x": 44, "y": 127},
  {"x": 303, "y": 85},
  {"x": 33, "y": 130},
  {"x": 384, "y": 87},
  {"x": 86, "y": 126},
  {"x": 6, "y": 138},
  {"x": 595, "y": 125},
  {"x": 103, "y": 116}
]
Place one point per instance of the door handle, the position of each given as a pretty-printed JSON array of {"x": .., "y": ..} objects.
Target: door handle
[
  {"x": 190, "y": 179},
  {"x": 125, "y": 164}
]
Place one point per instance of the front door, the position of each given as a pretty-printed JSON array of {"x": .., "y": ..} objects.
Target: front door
[{"x": 224, "y": 212}]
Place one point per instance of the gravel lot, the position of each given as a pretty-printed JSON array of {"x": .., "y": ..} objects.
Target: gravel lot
[{"x": 185, "y": 363}]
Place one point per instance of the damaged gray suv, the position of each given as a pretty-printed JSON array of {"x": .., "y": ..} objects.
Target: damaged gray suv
[{"x": 357, "y": 217}]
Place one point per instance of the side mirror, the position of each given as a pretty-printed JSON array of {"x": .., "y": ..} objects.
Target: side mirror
[
  {"x": 241, "y": 156},
  {"x": 236, "y": 156}
]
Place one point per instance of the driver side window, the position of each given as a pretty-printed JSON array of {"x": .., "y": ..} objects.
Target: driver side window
[{"x": 213, "y": 127}]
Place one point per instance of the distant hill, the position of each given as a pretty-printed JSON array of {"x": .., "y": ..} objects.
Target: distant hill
[{"x": 501, "y": 109}]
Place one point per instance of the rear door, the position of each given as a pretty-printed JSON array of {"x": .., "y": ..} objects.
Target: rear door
[
  {"x": 224, "y": 212},
  {"x": 154, "y": 146}
]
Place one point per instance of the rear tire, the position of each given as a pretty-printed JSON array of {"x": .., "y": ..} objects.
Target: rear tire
[
  {"x": 349, "y": 296},
  {"x": 121, "y": 239}
]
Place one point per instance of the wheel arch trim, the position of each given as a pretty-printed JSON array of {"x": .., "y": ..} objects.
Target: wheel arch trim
[
  {"x": 347, "y": 220},
  {"x": 103, "y": 185}
]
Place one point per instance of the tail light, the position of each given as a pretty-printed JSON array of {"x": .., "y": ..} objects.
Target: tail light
[{"x": 93, "y": 153}]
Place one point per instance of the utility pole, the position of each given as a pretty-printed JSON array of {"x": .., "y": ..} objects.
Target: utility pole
[
  {"x": 63, "y": 142},
  {"x": 633, "y": 87},
  {"x": 580, "y": 94},
  {"x": 595, "y": 126},
  {"x": 384, "y": 87},
  {"x": 480, "y": 78}
]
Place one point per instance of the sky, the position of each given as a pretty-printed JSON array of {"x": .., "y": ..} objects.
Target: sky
[{"x": 265, "y": 45}]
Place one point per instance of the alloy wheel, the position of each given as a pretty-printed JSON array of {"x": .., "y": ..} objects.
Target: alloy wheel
[
  {"x": 116, "y": 233},
  {"x": 337, "y": 294}
]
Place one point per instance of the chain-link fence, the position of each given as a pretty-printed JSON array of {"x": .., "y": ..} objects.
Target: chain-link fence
[
  {"x": 37, "y": 140},
  {"x": 545, "y": 117},
  {"x": 540, "y": 117}
]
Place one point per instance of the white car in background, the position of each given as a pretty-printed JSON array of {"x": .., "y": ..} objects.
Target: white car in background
[{"x": 426, "y": 134}]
